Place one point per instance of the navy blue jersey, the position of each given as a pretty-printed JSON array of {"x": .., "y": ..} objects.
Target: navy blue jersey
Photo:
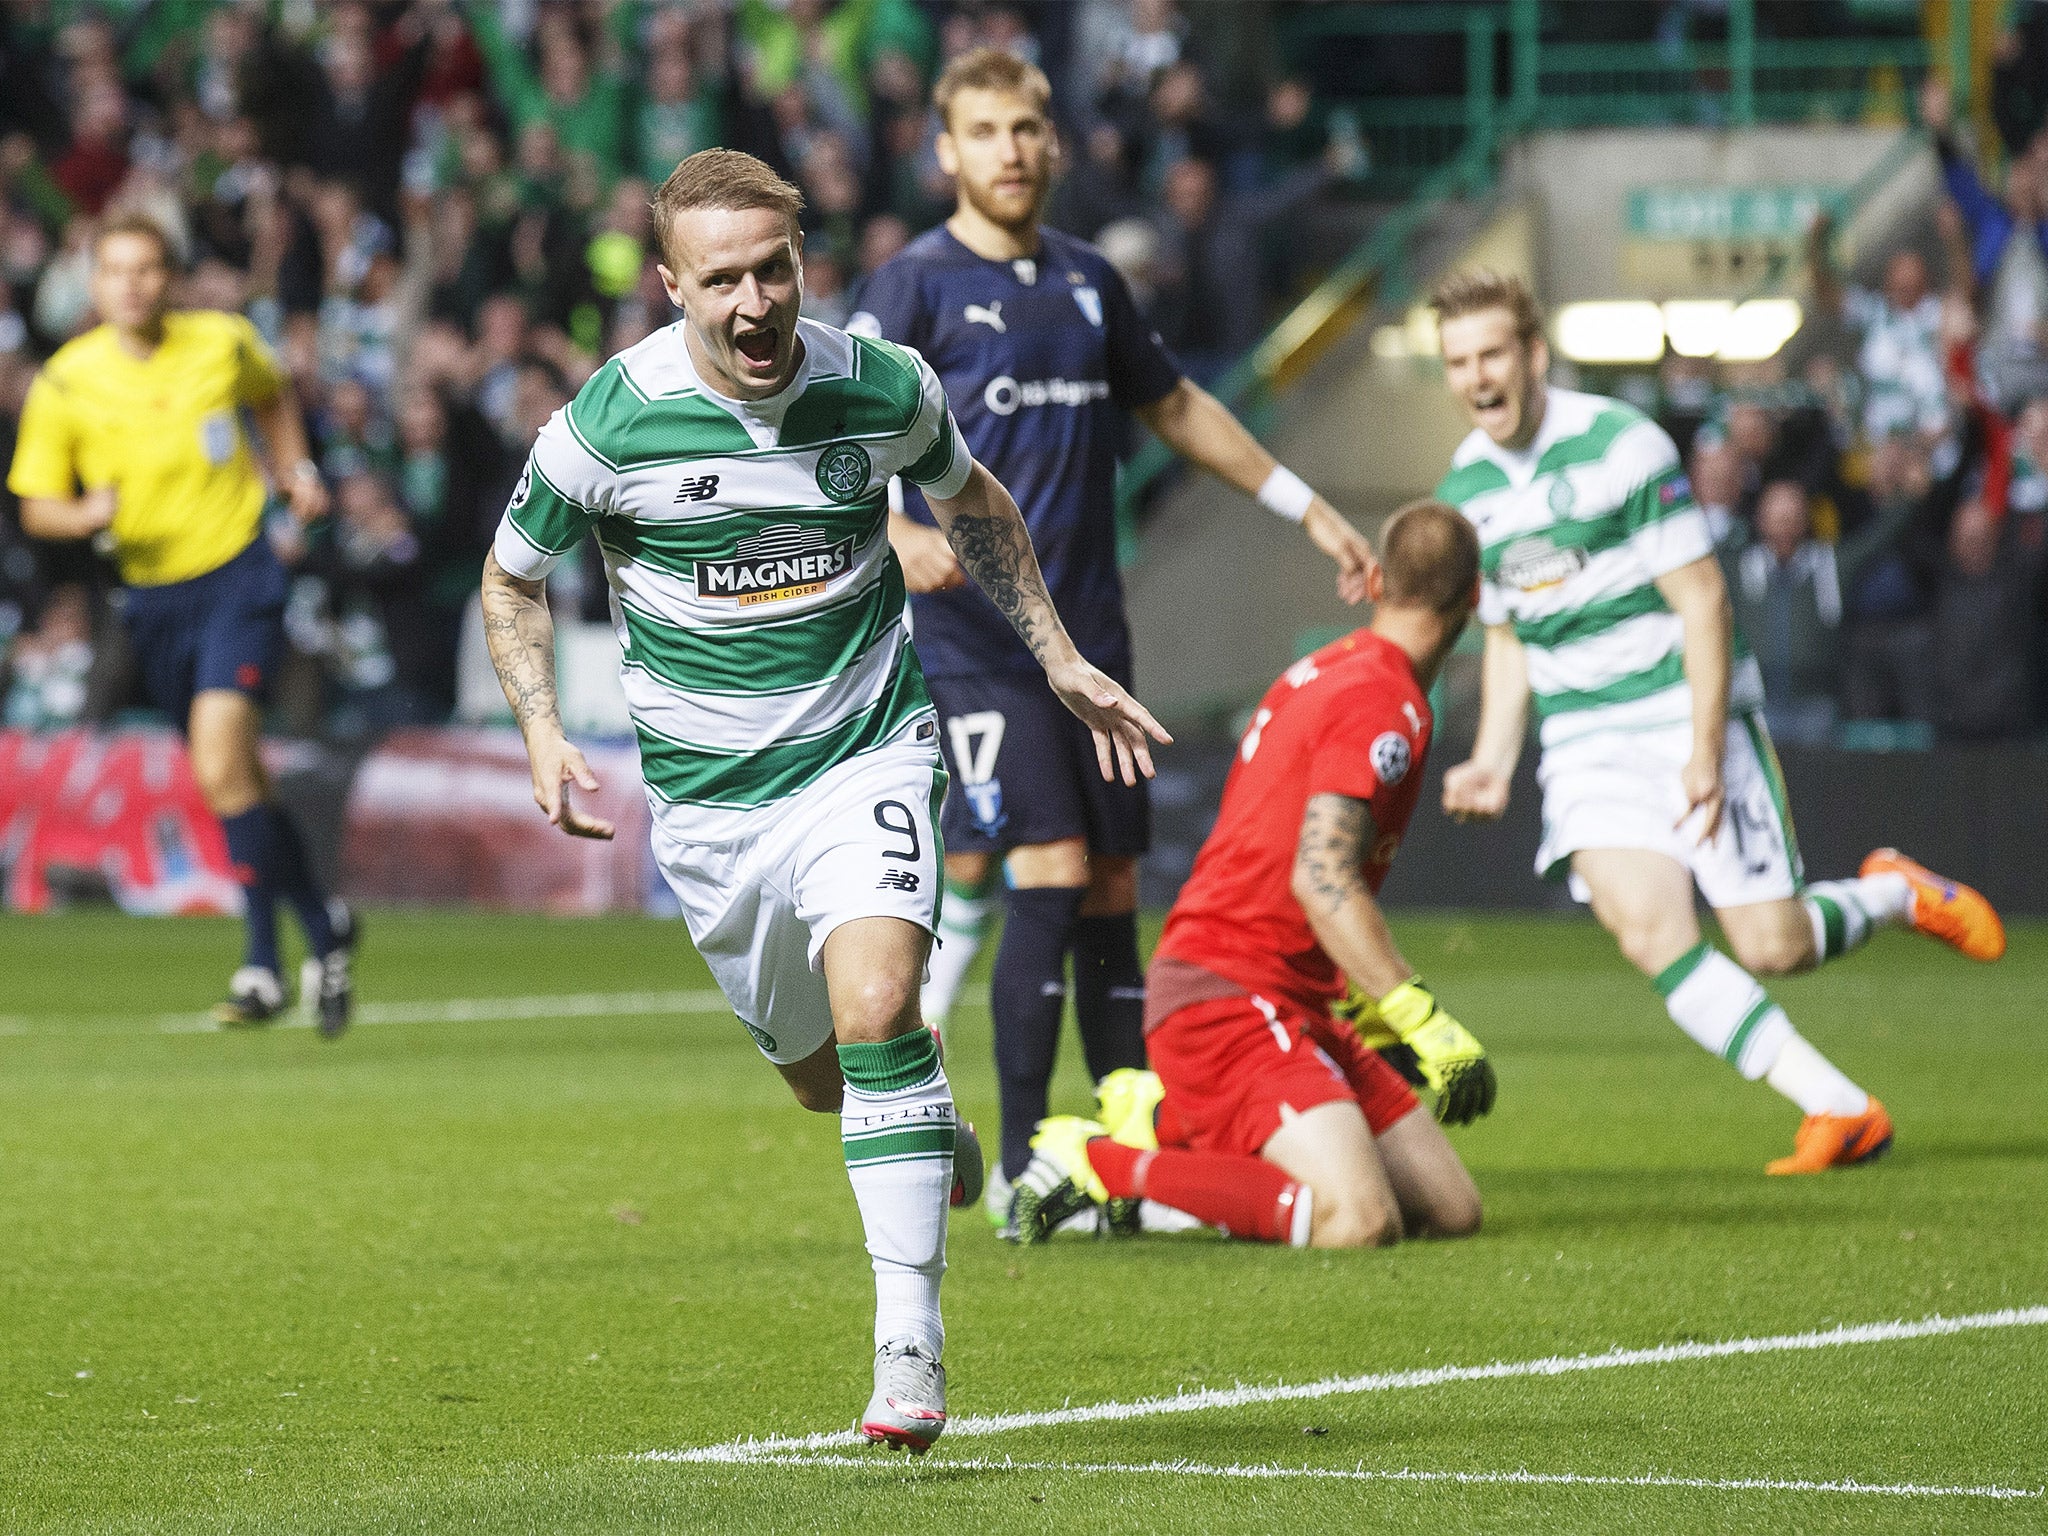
[{"x": 1039, "y": 358}]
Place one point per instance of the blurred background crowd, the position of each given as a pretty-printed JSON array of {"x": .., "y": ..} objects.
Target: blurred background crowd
[
  {"x": 437, "y": 213},
  {"x": 1880, "y": 488}
]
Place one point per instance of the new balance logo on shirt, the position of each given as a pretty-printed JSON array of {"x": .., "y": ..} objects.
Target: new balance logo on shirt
[{"x": 701, "y": 488}]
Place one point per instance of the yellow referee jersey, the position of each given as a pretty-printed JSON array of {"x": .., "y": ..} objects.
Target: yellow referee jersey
[{"x": 165, "y": 431}]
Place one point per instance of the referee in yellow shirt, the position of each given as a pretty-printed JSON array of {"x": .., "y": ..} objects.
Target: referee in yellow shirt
[{"x": 136, "y": 429}]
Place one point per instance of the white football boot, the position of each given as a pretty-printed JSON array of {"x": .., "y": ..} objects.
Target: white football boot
[{"x": 908, "y": 1409}]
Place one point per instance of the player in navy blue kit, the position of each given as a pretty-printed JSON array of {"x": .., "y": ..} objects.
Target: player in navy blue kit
[{"x": 1042, "y": 350}]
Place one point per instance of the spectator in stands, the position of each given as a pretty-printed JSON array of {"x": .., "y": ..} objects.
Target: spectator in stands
[
  {"x": 1899, "y": 325},
  {"x": 47, "y": 665},
  {"x": 1987, "y": 606},
  {"x": 2009, "y": 257},
  {"x": 1716, "y": 476},
  {"x": 1888, "y": 599},
  {"x": 1788, "y": 604},
  {"x": 585, "y": 105}
]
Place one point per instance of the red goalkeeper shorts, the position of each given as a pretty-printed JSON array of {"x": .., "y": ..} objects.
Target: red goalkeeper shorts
[{"x": 1233, "y": 1066}]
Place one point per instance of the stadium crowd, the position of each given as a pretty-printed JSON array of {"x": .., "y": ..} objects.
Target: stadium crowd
[
  {"x": 1881, "y": 487},
  {"x": 437, "y": 214}
]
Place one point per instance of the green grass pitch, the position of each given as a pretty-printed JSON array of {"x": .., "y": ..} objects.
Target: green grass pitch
[{"x": 455, "y": 1275}]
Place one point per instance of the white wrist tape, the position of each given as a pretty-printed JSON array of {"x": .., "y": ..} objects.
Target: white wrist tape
[{"x": 1286, "y": 494}]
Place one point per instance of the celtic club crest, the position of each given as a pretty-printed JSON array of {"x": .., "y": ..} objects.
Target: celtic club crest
[{"x": 843, "y": 471}]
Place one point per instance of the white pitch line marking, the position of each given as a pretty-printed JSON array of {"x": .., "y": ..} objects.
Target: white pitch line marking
[
  {"x": 971, "y": 1426},
  {"x": 895, "y": 1467},
  {"x": 453, "y": 1010}
]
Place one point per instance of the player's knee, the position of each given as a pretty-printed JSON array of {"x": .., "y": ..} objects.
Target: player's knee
[
  {"x": 1650, "y": 945},
  {"x": 227, "y": 786},
  {"x": 880, "y": 1008},
  {"x": 1354, "y": 1223},
  {"x": 1778, "y": 952},
  {"x": 820, "y": 1098},
  {"x": 1455, "y": 1213}
]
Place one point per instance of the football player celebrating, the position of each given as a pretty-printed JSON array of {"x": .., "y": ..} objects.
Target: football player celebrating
[
  {"x": 1603, "y": 603},
  {"x": 1270, "y": 1116},
  {"x": 733, "y": 468},
  {"x": 1042, "y": 350}
]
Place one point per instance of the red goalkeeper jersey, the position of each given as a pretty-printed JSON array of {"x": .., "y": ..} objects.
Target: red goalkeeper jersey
[{"x": 1348, "y": 720}]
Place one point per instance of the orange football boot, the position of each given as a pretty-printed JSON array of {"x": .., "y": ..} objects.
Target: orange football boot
[
  {"x": 1836, "y": 1141},
  {"x": 1944, "y": 909}
]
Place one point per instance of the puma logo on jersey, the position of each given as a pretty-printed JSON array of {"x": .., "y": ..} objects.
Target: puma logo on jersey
[
  {"x": 1414, "y": 719},
  {"x": 990, "y": 315},
  {"x": 703, "y": 488}
]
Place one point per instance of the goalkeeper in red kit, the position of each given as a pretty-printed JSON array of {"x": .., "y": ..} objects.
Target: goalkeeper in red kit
[{"x": 1268, "y": 1112}]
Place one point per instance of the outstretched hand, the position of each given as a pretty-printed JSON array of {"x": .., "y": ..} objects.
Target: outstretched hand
[
  {"x": 1331, "y": 532},
  {"x": 1120, "y": 725},
  {"x": 556, "y": 766}
]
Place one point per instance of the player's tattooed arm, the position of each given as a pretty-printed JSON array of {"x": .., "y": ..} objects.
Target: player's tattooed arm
[
  {"x": 987, "y": 532},
  {"x": 988, "y": 536},
  {"x": 1337, "y": 833},
  {"x": 520, "y": 633}
]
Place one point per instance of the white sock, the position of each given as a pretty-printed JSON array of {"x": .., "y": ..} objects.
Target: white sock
[
  {"x": 1844, "y": 912},
  {"x": 963, "y": 920},
  {"x": 1813, "y": 1082},
  {"x": 1723, "y": 1007},
  {"x": 896, "y": 1125}
]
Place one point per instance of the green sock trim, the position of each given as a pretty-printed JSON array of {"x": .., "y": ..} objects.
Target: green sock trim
[
  {"x": 1833, "y": 924},
  {"x": 899, "y": 1145},
  {"x": 1759, "y": 1011},
  {"x": 1672, "y": 977},
  {"x": 892, "y": 1065}
]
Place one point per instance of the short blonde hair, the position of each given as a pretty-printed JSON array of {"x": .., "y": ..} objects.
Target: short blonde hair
[
  {"x": 1472, "y": 289},
  {"x": 1429, "y": 557},
  {"x": 722, "y": 178},
  {"x": 990, "y": 69}
]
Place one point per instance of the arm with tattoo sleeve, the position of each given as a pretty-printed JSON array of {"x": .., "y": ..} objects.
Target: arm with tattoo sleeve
[
  {"x": 1388, "y": 1003},
  {"x": 988, "y": 535},
  {"x": 520, "y": 633}
]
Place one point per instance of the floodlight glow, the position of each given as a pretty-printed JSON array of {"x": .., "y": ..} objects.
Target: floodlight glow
[
  {"x": 1390, "y": 341},
  {"x": 1611, "y": 331},
  {"x": 1421, "y": 328},
  {"x": 1758, "y": 329},
  {"x": 1697, "y": 327}
]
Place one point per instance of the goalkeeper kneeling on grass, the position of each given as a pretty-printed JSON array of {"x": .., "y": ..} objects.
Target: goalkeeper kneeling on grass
[{"x": 1268, "y": 1112}]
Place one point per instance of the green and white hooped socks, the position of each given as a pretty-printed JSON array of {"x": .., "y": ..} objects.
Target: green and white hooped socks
[
  {"x": 1844, "y": 913},
  {"x": 1726, "y": 1010},
  {"x": 897, "y": 1125}
]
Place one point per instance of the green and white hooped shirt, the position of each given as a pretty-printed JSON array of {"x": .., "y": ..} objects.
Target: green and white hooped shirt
[
  {"x": 746, "y": 542},
  {"x": 1574, "y": 530}
]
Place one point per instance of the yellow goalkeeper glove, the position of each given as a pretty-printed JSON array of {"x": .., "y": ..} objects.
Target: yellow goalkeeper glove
[{"x": 1446, "y": 1055}]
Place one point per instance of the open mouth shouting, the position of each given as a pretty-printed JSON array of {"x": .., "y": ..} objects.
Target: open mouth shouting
[
  {"x": 758, "y": 350},
  {"x": 1491, "y": 411}
]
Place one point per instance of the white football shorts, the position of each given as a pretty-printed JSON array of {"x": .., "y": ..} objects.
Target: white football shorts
[
  {"x": 863, "y": 841},
  {"x": 1621, "y": 789}
]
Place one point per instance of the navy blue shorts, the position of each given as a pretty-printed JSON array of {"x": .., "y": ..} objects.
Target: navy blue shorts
[
  {"x": 224, "y": 629},
  {"x": 1024, "y": 771}
]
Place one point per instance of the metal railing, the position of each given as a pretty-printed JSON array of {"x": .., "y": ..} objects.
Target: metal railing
[
  {"x": 1509, "y": 66},
  {"x": 1456, "y": 142}
]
